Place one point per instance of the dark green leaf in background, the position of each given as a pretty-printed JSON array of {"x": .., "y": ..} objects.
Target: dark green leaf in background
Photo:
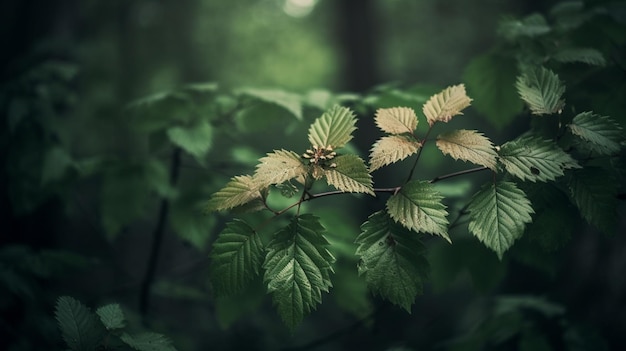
[{"x": 80, "y": 327}]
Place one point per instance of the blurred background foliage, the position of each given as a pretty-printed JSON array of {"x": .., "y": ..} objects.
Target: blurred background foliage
[{"x": 112, "y": 139}]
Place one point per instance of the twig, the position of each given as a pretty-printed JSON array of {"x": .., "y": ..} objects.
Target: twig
[{"x": 459, "y": 173}]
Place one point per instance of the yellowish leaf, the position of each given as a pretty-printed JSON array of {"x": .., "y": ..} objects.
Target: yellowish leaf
[
  {"x": 238, "y": 191},
  {"x": 443, "y": 106},
  {"x": 392, "y": 148},
  {"x": 468, "y": 145},
  {"x": 396, "y": 120},
  {"x": 278, "y": 167}
]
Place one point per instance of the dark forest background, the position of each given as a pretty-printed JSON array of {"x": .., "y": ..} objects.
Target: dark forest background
[{"x": 83, "y": 182}]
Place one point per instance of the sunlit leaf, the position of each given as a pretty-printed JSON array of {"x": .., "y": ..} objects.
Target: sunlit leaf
[
  {"x": 418, "y": 206},
  {"x": 237, "y": 255},
  {"x": 600, "y": 134},
  {"x": 111, "y": 316},
  {"x": 349, "y": 175},
  {"x": 298, "y": 268},
  {"x": 289, "y": 101},
  {"x": 498, "y": 215},
  {"x": 391, "y": 259},
  {"x": 396, "y": 120},
  {"x": 238, "y": 191},
  {"x": 588, "y": 56},
  {"x": 542, "y": 90},
  {"x": 448, "y": 103},
  {"x": 195, "y": 139},
  {"x": 531, "y": 158},
  {"x": 594, "y": 191},
  {"x": 278, "y": 167},
  {"x": 334, "y": 128},
  {"x": 148, "y": 341},
  {"x": 392, "y": 148},
  {"x": 468, "y": 145},
  {"x": 80, "y": 328}
]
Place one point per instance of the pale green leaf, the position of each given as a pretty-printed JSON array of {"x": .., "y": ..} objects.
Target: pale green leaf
[
  {"x": 111, "y": 316},
  {"x": 396, "y": 120},
  {"x": 236, "y": 257},
  {"x": 392, "y": 148},
  {"x": 531, "y": 26},
  {"x": 490, "y": 80},
  {"x": 289, "y": 101},
  {"x": 531, "y": 158},
  {"x": 278, "y": 167},
  {"x": 392, "y": 260},
  {"x": 601, "y": 134},
  {"x": 542, "y": 90},
  {"x": 418, "y": 206},
  {"x": 498, "y": 215},
  {"x": 448, "y": 103},
  {"x": 195, "y": 139},
  {"x": 468, "y": 145},
  {"x": 588, "y": 56},
  {"x": 594, "y": 192},
  {"x": 80, "y": 328},
  {"x": 238, "y": 191},
  {"x": 334, "y": 128},
  {"x": 298, "y": 268},
  {"x": 148, "y": 341},
  {"x": 349, "y": 175}
]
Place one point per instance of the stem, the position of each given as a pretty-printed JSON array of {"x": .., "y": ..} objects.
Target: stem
[
  {"x": 157, "y": 240},
  {"x": 419, "y": 153},
  {"x": 459, "y": 173}
]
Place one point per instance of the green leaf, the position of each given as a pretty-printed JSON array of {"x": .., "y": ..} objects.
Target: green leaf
[
  {"x": 240, "y": 190},
  {"x": 237, "y": 256},
  {"x": 448, "y": 103},
  {"x": 468, "y": 145},
  {"x": 542, "y": 90},
  {"x": 278, "y": 167},
  {"x": 111, "y": 316},
  {"x": 148, "y": 341},
  {"x": 392, "y": 260},
  {"x": 298, "y": 268},
  {"x": 396, "y": 120},
  {"x": 490, "y": 80},
  {"x": 418, "y": 206},
  {"x": 531, "y": 26},
  {"x": 599, "y": 133},
  {"x": 188, "y": 222},
  {"x": 349, "y": 175},
  {"x": 391, "y": 149},
  {"x": 531, "y": 158},
  {"x": 498, "y": 215},
  {"x": 195, "y": 139},
  {"x": 334, "y": 128},
  {"x": 593, "y": 191},
  {"x": 80, "y": 328},
  {"x": 56, "y": 163},
  {"x": 289, "y": 101},
  {"x": 588, "y": 56}
]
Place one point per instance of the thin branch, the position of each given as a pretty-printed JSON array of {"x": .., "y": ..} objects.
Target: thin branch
[
  {"x": 419, "y": 153},
  {"x": 459, "y": 173}
]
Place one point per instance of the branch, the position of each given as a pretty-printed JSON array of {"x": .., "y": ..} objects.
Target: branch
[
  {"x": 419, "y": 153},
  {"x": 459, "y": 173}
]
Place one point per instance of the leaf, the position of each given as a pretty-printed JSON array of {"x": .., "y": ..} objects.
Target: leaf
[
  {"x": 80, "y": 328},
  {"x": 531, "y": 158},
  {"x": 57, "y": 162},
  {"x": 542, "y": 90},
  {"x": 195, "y": 139},
  {"x": 188, "y": 222},
  {"x": 593, "y": 191},
  {"x": 236, "y": 257},
  {"x": 334, "y": 128},
  {"x": 531, "y": 26},
  {"x": 289, "y": 101},
  {"x": 418, "y": 206},
  {"x": 111, "y": 316},
  {"x": 588, "y": 56},
  {"x": 490, "y": 80},
  {"x": 396, "y": 120},
  {"x": 448, "y": 103},
  {"x": 298, "y": 268},
  {"x": 350, "y": 175},
  {"x": 392, "y": 260},
  {"x": 468, "y": 145},
  {"x": 148, "y": 341},
  {"x": 498, "y": 215},
  {"x": 601, "y": 134},
  {"x": 392, "y": 148},
  {"x": 278, "y": 167},
  {"x": 238, "y": 191}
]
